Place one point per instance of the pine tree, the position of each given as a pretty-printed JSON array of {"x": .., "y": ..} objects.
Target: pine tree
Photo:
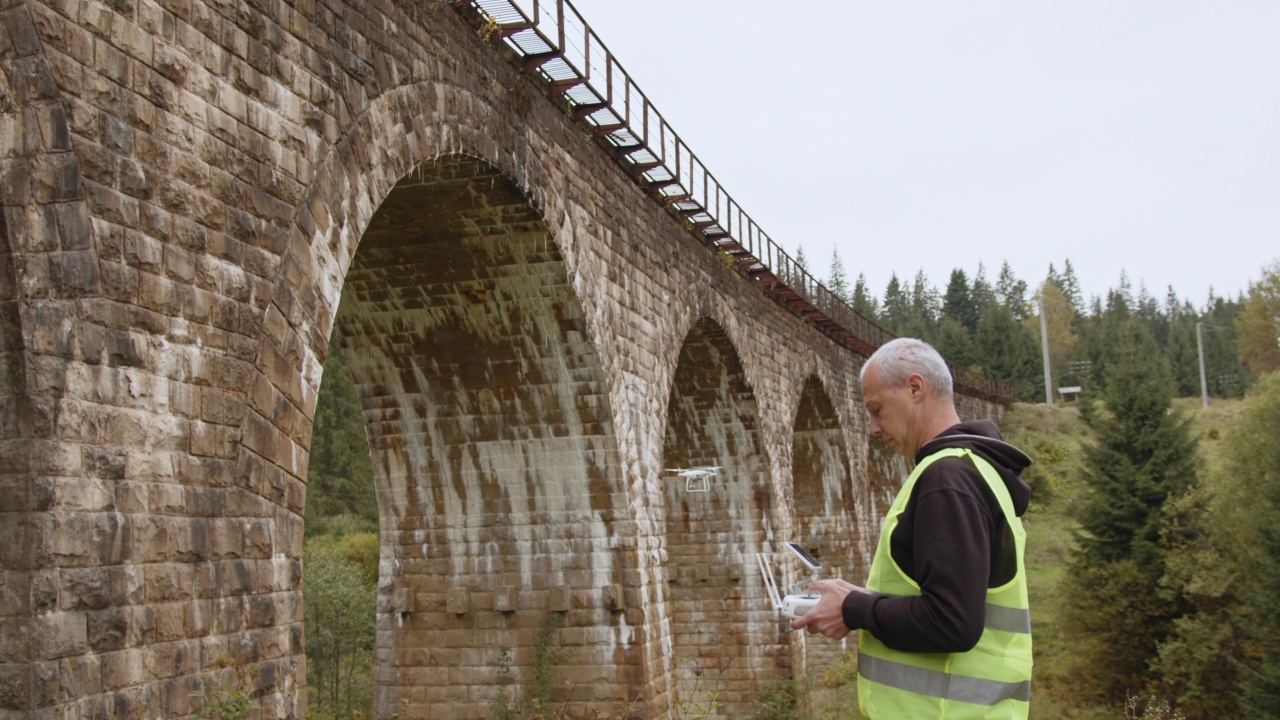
[
  {"x": 1142, "y": 455},
  {"x": 1100, "y": 333},
  {"x": 983, "y": 293},
  {"x": 897, "y": 306},
  {"x": 958, "y": 303},
  {"x": 1004, "y": 349},
  {"x": 1013, "y": 292},
  {"x": 340, "y": 472},
  {"x": 864, "y": 302},
  {"x": 1054, "y": 276},
  {"x": 1123, "y": 292},
  {"x": 838, "y": 282},
  {"x": 1183, "y": 351},
  {"x": 1210, "y": 570},
  {"x": 1071, "y": 289},
  {"x": 794, "y": 275},
  {"x": 1149, "y": 313},
  {"x": 954, "y": 342},
  {"x": 926, "y": 307},
  {"x": 1229, "y": 376}
]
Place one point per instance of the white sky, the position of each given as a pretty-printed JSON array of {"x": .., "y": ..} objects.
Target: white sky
[{"x": 1141, "y": 135}]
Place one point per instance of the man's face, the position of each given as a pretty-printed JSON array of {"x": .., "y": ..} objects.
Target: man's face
[{"x": 892, "y": 410}]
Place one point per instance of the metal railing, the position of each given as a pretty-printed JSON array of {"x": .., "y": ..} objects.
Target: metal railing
[{"x": 551, "y": 40}]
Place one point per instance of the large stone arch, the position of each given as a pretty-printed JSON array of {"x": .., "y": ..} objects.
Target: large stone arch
[
  {"x": 494, "y": 449},
  {"x": 458, "y": 143}
]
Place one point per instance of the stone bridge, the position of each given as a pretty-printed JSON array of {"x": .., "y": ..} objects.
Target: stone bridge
[{"x": 535, "y": 327}]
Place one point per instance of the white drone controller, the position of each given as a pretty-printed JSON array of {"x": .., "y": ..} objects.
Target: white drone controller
[{"x": 801, "y": 600}]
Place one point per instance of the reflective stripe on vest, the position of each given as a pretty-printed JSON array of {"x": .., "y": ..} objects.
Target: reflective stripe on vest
[
  {"x": 940, "y": 684},
  {"x": 1010, "y": 620},
  {"x": 991, "y": 681}
]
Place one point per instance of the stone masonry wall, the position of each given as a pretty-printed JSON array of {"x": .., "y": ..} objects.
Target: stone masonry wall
[{"x": 191, "y": 187}]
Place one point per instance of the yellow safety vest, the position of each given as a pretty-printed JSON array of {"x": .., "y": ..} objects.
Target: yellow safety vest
[{"x": 991, "y": 681}]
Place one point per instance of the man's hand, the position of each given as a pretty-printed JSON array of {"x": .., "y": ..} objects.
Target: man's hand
[{"x": 827, "y": 617}]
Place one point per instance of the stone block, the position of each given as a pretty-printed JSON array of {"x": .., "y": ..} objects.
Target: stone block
[
  {"x": 612, "y": 598},
  {"x": 108, "y": 629},
  {"x": 15, "y": 637},
  {"x": 15, "y": 689},
  {"x": 558, "y": 598},
  {"x": 86, "y": 589},
  {"x": 459, "y": 601},
  {"x": 402, "y": 600},
  {"x": 59, "y": 635}
]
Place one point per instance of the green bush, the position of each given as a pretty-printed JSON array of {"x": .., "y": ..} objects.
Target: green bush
[
  {"x": 779, "y": 700},
  {"x": 339, "y": 606}
]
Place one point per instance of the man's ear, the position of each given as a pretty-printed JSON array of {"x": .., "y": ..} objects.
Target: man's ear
[{"x": 916, "y": 386}]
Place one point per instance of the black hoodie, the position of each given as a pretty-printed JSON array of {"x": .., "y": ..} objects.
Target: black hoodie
[{"x": 953, "y": 541}]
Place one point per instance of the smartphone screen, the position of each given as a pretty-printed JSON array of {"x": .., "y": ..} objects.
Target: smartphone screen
[{"x": 805, "y": 557}]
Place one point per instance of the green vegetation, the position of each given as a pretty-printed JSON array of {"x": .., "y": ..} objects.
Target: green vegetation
[
  {"x": 340, "y": 554},
  {"x": 1215, "y": 566},
  {"x": 995, "y": 328},
  {"x": 1140, "y": 455},
  {"x": 1258, "y": 323},
  {"x": 1252, "y": 475},
  {"x": 341, "y": 497},
  {"x": 226, "y": 695},
  {"x": 537, "y": 696},
  {"x": 340, "y": 576}
]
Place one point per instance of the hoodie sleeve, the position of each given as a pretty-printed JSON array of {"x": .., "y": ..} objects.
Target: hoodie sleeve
[{"x": 950, "y": 531}]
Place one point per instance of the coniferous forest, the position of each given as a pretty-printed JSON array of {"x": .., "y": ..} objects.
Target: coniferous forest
[
  {"x": 993, "y": 326},
  {"x": 1154, "y": 532}
]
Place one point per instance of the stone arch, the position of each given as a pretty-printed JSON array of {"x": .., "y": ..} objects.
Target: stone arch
[
  {"x": 492, "y": 435},
  {"x": 408, "y": 139},
  {"x": 826, "y": 521},
  {"x": 693, "y": 305},
  {"x": 722, "y": 628}
]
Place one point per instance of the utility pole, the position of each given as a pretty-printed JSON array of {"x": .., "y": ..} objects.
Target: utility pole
[
  {"x": 1204, "y": 385},
  {"x": 1044, "y": 343}
]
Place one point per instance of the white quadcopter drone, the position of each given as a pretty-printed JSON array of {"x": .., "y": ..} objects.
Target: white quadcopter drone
[
  {"x": 801, "y": 600},
  {"x": 697, "y": 479}
]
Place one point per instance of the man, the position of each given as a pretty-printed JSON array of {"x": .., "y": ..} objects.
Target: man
[{"x": 945, "y": 629}]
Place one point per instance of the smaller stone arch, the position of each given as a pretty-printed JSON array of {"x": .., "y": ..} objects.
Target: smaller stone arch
[
  {"x": 722, "y": 627},
  {"x": 826, "y": 522}
]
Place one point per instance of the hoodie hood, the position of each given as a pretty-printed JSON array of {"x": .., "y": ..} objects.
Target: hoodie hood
[{"x": 983, "y": 438}]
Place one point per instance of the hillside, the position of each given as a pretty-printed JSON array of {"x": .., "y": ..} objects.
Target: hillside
[{"x": 1054, "y": 438}]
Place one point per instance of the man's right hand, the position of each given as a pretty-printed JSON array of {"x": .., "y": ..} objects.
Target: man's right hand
[{"x": 827, "y": 617}]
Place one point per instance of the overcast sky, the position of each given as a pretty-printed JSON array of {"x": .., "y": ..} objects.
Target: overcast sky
[{"x": 1139, "y": 135}]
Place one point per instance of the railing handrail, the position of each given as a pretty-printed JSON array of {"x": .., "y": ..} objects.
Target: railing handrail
[{"x": 648, "y": 148}]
